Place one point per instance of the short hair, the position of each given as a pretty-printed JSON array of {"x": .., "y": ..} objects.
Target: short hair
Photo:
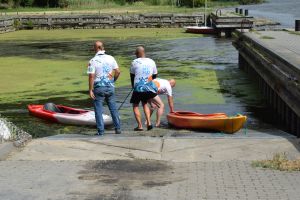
[
  {"x": 139, "y": 49},
  {"x": 99, "y": 45}
]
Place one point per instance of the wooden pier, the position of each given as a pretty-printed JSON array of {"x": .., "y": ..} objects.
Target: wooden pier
[
  {"x": 272, "y": 58},
  {"x": 227, "y": 22}
]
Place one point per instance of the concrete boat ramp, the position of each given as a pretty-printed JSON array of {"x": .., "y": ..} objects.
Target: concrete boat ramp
[
  {"x": 183, "y": 147},
  {"x": 169, "y": 165}
]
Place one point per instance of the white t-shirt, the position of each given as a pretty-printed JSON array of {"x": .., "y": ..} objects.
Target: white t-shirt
[
  {"x": 164, "y": 86},
  {"x": 102, "y": 65},
  {"x": 143, "y": 69}
]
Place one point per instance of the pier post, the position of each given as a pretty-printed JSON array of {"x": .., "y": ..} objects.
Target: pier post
[
  {"x": 241, "y": 11},
  {"x": 297, "y": 25}
]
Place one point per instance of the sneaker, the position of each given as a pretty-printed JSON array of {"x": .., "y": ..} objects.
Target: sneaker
[
  {"x": 118, "y": 131},
  {"x": 100, "y": 134}
]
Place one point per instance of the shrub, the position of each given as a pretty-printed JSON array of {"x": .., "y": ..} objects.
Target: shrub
[
  {"x": 29, "y": 24},
  {"x": 153, "y": 2},
  {"x": 17, "y": 24},
  {"x": 192, "y": 3},
  {"x": 244, "y": 2},
  {"x": 120, "y": 2},
  {"x": 26, "y": 3},
  {"x": 63, "y": 3},
  {"x": 4, "y": 6}
]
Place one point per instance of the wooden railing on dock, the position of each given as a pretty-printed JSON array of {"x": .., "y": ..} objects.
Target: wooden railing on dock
[{"x": 227, "y": 22}]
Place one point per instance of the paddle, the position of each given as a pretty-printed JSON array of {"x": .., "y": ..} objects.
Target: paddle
[{"x": 125, "y": 99}]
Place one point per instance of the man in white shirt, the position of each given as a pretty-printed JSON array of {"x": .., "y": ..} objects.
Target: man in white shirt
[
  {"x": 142, "y": 71},
  {"x": 164, "y": 87},
  {"x": 103, "y": 71}
]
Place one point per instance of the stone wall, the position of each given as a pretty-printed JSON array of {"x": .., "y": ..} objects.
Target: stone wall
[
  {"x": 6, "y": 25},
  {"x": 107, "y": 21}
]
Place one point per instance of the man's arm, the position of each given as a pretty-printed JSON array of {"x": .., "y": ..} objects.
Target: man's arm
[
  {"x": 171, "y": 103},
  {"x": 117, "y": 73},
  {"x": 154, "y": 73},
  {"x": 91, "y": 85},
  {"x": 132, "y": 80}
]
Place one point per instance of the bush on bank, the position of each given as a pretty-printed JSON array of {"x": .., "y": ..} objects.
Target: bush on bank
[
  {"x": 5, "y": 4},
  {"x": 245, "y": 2}
]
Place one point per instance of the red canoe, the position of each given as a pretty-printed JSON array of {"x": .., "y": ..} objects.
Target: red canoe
[{"x": 66, "y": 115}]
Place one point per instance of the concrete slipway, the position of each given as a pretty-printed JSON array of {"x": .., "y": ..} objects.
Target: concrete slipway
[{"x": 172, "y": 165}]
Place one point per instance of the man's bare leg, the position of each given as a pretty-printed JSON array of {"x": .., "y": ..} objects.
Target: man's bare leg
[
  {"x": 153, "y": 107},
  {"x": 147, "y": 113},
  {"x": 160, "y": 109},
  {"x": 137, "y": 115}
]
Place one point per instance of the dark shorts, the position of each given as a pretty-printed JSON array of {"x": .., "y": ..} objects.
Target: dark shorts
[{"x": 138, "y": 97}]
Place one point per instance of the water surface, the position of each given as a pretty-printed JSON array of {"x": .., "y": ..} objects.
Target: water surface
[
  {"x": 284, "y": 12},
  {"x": 206, "y": 70}
]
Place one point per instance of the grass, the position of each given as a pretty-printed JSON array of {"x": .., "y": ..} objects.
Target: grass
[
  {"x": 294, "y": 32},
  {"x": 138, "y": 7},
  {"x": 92, "y": 34},
  {"x": 279, "y": 162}
]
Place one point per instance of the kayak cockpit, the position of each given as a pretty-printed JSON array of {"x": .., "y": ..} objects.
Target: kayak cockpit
[{"x": 62, "y": 109}]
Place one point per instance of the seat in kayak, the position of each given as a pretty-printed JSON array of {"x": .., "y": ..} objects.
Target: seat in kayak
[
  {"x": 67, "y": 115},
  {"x": 52, "y": 107}
]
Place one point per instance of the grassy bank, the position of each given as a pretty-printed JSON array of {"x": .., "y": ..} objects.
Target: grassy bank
[{"x": 92, "y": 34}]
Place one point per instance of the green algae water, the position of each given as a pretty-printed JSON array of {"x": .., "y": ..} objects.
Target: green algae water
[{"x": 50, "y": 66}]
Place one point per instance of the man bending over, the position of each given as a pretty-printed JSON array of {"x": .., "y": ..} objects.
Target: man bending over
[{"x": 164, "y": 87}]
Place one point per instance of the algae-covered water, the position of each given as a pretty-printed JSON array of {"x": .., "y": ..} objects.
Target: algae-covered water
[{"x": 49, "y": 66}]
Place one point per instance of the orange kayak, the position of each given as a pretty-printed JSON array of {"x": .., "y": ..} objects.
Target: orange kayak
[{"x": 216, "y": 121}]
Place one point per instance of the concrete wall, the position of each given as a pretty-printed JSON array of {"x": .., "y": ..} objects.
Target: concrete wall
[
  {"x": 281, "y": 92},
  {"x": 107, "y": 21}
]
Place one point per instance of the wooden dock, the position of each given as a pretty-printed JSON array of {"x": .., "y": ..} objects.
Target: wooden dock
[
  {"x": 227, "y": 22},
  {"x": 273, "y": 59}
]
